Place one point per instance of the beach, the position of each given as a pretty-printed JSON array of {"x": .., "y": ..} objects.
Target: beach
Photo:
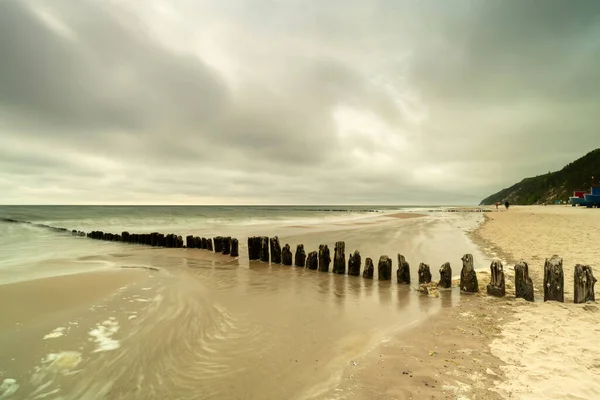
[
  {"x": 118, "y": 321},
  {"x": 93, "y": 319}
]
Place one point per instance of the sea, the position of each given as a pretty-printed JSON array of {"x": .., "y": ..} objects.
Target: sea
[{"x": 88, "y": 319}]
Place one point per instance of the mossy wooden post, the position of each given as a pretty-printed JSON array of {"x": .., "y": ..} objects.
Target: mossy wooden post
[
  {"x": 354, "y": 262},
  {"x": 312, "y": 261},
  {"x": 339, "y": 258},
  {"x": 497, "y": 286},
  {"x": 424, "y": 274},
  {"x": 445, "y": 276},
  {"x": 468, "y": 277},
  {"x": 264, "y": 249},
  {"x": 523, "y": 283},
  {"x": 324, "y": 258},
  {"x": 235, "y": 252},
  {"x": 584, "y": 282},
  {"x": 300, "y": 258},
  {"x": 384, "y": 268},
  {"x": 369, "y": 269},
  {"x": 286, "y": 255},
  {"x": 275, "y": 250},
  {"x": 554, "y": 279},
  {"x": 403, "y": 273}
]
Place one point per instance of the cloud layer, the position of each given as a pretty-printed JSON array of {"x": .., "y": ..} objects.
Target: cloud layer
[{"x": 291, "y": 102}]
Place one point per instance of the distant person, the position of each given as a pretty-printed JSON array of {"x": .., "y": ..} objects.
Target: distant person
[
  {"x": 506, "y": 204},
  {"x": 496, "y": 205}
]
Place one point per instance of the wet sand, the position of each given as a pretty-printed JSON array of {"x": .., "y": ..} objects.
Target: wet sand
[{"x": 211, "y": 326}]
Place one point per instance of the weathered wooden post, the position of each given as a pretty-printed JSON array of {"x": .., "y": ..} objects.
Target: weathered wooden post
[
  {"x": 445, "y": 276},
  {"x": 300, "y": 258},
  {"x": 226, "y": 245},
  {"x": 424, "y": 273},
  {"x": 188, "y": 241},
  {"x": 253, "y": 248},
  {"x": 169, "y": 240},
  {"x": 198, "y": 243},
  {"x": 286, "y": 255},
  {"x": 584, "y": 284},
  {"x": 234, "y": 248},
  {"x": 209, "y": 244},
  {"x": 468, "y": 277},
  {"x": 369, "y": 269},
  {"x": 218, "y": 242},
  {"x": 264, "y": 249},
  {"x": 523, "y": 283},
  {"x": 124, "y": 236},
  {"x": 497, "y": 285},
  {"x": 403, "y": 273},
  {"x": 554, "y": 279},
  {"x": 339, "y": 258},
  {"x": 179, "y": 242},
  {"x": 275, "y": 250},
  {"x": 384, "y": 269},
  {"x": 354, "y": 262},
  {"x": 324, "y": 258},
  {"x": 312, "y": 260},
  {"x": 203, "y": 244}
]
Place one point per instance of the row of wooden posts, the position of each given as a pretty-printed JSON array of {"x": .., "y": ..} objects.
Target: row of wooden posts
[
  {"x": 219, "y": 244},
  {"x": 268, "y": 249}
]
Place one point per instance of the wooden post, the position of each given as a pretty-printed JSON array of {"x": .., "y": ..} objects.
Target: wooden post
[
  {"x": 275, "y": 250},
  {"x": 312, "y": 260},
  {"x": 188, "y": 241},
  {"x": 384, "y": 269},
  {"x": 424, "y": 273},
  {"x": 218, "y": 242},
  {"x": 339, "y": 258},
  {"x": 403, "y": 273},
  {"x": 234, "y": 248},
  {"x": 204, "y": 244},
  {"x": 209, "y": 244},
  {"x": 445, "y": 276},
  {"x": 554, "y": 279},
  {"x": 254, "y": 248},
  {"x": 324, "y": 258},
  {"x": 497, "y": 285},
  {"x": 584, "y": 284},
  {"x": 300, "y": 258},
  {"x": 264, "y": 249},
  {"x": 226, "y": 245},
  {"x": 523, "y": 283},
  {"x": 468, "y": 277},
  {"x": 354, "y": 262},
  {"x": 286, "y": 255},
  {"x": 369, "y": 269}
]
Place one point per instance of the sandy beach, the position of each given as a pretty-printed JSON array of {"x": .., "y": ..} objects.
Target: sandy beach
[
  {"x": 549, "y": 350},
  {"x": 481, "y": 347}
]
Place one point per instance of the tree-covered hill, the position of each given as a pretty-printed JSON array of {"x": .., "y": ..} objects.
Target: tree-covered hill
[{"x": 552, "y": 186}]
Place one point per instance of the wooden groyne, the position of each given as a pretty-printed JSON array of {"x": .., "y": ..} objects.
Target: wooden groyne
[{"x": 269, "y": 250}]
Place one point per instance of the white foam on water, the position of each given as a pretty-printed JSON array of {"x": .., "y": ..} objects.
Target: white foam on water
[
  {"x": 146, "y": 288},
  {"x": 44, "y": 395},
  {"x": 8, "y": 388},
  {"x": 58, "y": 332},
  {"x": 142, "y": 300},
  {"x": 103, "y": 334},
  {"x": 132, "y": 317}
]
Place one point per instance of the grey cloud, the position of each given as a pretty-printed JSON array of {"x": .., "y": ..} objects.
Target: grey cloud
[{"x": 126, "y": 103}]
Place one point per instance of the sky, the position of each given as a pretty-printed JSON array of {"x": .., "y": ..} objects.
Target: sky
[{"x": 291, "y": 101}]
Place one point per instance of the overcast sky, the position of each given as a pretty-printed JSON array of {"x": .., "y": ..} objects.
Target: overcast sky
[{"x": 291, "y": 101}]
